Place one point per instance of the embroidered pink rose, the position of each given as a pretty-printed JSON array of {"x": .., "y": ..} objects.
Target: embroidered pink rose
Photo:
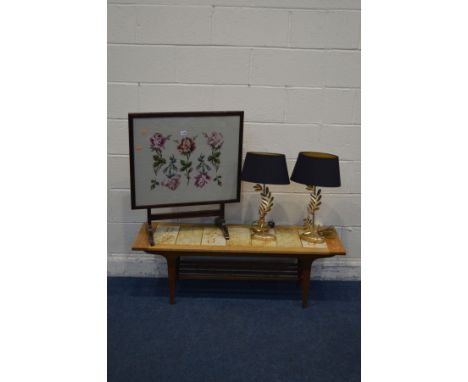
[
  {"x": 157, "y": 141},
  {"x": 202, "y": 179},
  {"x": 215, "y": 139},
  {"x": 186, "y": 146},
  {"x": 172, "y": 183}
]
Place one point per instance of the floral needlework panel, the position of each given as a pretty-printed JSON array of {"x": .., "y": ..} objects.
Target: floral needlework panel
[{"x": 191, "y": 159}]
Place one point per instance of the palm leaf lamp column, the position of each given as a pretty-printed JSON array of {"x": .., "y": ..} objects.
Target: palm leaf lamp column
[
  {"x": 315, "y": 169},
  {"x": 264, "y": 168}
]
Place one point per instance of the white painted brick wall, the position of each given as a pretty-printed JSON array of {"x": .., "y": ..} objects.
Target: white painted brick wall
[
  {"x": 153, "y": 97},
  {"x": 121, "y": 24},
  {"x": 325, "y": 29},
  {"x": 288, "y": 67},
  {"x": 292, "y": 66},
  {"x": 121, "y": 99},
  {"x": 173, "y": 25},
  {"x": 343, "y": 69},
  {"x": 200, "y": 65},
  {"x": 141, "y": 63},
  {"x": 250, "y": 26}
]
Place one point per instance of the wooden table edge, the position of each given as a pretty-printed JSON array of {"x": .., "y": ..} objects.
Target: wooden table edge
[{"x": 141, "y": 243}]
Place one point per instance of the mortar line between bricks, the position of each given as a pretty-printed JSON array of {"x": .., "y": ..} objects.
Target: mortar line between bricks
[
  {"x": 212, "y": 45},
  {"x": 234, "y": 6},
  {"x": 343, "y": 161},
  {"x": 247, "y": 85},
  {"x": 312, "y": 124}
]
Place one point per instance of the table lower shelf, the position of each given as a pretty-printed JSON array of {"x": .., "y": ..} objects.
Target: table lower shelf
[
  {"x": 237, "y": 270},
  {"x": 180, "y": 266}
]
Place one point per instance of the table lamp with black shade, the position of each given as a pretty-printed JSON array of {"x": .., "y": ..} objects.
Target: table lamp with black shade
[
  {"x": 264, "y": 168},
  {"x": 315, "y": 169}
]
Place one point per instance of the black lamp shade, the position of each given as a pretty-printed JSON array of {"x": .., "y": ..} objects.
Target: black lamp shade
[
  {"x": 265, "y": 168},
  {"x": 317, "y": 169}
]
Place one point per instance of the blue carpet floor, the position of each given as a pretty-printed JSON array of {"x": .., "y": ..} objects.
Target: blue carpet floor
[{"x": 233, "y": 332}]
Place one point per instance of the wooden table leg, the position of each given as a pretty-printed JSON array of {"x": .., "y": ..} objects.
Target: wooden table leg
[
  {"x": 306, "y": 265},
  {"x": 171, "y": 276},
  {"x": 299, "y": 269},
  {"x": 177, "y": 268}
]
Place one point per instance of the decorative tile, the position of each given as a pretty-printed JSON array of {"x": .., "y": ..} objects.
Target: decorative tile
[
  {"x": 166, "y": 234},
  {"x": 306, "y": 244},
  {"x": 191, "y": 235},
  {"x": 287, "y": 237},
  {"x": 213, "y": 236},
  {"x": 239, "y": 236}
]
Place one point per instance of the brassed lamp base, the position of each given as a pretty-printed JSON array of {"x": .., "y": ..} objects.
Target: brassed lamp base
[
  {"x": 312, "y": 237},
  {"x": 261, "y": 233}
]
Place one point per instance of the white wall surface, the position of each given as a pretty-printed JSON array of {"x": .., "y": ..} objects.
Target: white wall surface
[{"x": 292, "y": 66}]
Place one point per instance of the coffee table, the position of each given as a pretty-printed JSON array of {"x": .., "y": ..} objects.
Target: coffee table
[{"x": 199, "y": 251}]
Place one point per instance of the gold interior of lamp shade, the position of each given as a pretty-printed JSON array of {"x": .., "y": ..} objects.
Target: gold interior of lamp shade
[
  {"x": 313, "y": 154},
  {"x": 264, "y": 153}
]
